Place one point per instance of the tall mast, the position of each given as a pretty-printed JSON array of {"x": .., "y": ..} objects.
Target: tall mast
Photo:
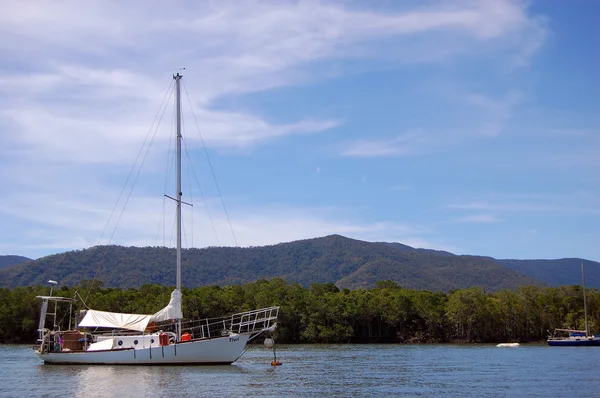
[
  {"x": 584, "y": 300},
  {"x": 178, "y": 195}
]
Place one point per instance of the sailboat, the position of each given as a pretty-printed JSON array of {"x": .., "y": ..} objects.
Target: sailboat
[
  {"x": 572, "y": 337},
  {"x": 163, "y": 338}
]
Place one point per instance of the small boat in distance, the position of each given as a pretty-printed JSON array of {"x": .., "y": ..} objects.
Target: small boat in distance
[
  {"x": 575, "y": 338},
  {"x": 508, "y": 345},
  {"x": 163, "y": 338}
]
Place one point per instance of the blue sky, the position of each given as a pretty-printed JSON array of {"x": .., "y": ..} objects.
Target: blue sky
[{"x": 467, "y": 126}]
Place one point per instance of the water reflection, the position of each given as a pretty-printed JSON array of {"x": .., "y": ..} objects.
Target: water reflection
[
  {"x": 132, "y": 381},
  {"x": 386, "y": 370}
]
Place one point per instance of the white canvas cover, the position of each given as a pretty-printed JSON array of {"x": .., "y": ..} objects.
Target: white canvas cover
[
  {"x": 101, "y": 345},
  {"x": 171, "y": 311},
  {"x": 115, "y": 320}
]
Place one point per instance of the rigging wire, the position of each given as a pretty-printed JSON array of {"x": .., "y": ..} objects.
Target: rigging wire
[
  {"x": 171, "y": 161},
  {"x": 210, "y": 165},
  {"x": 189, "y": 167},
  {"x": 170, "y": 156},
  {"x": 183, "y": 224},
  {"x": 149, "y": 135},
  {"x": 166, "y": 97},
  {"x": 172, "y": 236},
  {"x": 136, "y": 177},
  {"x": 189, "y": 159}
]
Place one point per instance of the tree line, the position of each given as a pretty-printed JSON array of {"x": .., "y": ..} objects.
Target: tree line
[{"x": 323, "y": 313}]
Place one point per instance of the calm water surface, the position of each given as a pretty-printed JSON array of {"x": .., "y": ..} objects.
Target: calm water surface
[{"x": 311, "y": 370}]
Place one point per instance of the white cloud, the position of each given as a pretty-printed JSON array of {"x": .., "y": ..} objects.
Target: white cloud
[
  {"x": 425, "y": 244},
  {"x": 85, "y": 134},
  {"x": 76, "y": 223},
  {"x": 479, "y": 218},
  {"x": 399, "y": 188},
  {"x": 268, "y": 38},
  {"x": 571, "y": 133},
  {"x": 496, "y": 111},
  {"x": 79, "y": 84},
  {"x": 220, "y": 128},
  {"x": 475, "y": 206},
  {"x": 402, "y": 145},
  {"x": 574, "y": 202},
  {"x": 109, "y": 54}
]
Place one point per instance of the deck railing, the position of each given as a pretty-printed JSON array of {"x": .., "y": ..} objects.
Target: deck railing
[{"x": 252, "y": 322}]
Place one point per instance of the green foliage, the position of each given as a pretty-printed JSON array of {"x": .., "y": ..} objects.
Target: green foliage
[
  {"x": 335, "y": 259},
  {"x": 325, "y": 314},
  {"x": 6, "y": 261},
  {"x": 564, "y": 271}
]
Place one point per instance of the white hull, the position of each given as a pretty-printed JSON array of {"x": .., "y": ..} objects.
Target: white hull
[{"x": 220, "y": 350}]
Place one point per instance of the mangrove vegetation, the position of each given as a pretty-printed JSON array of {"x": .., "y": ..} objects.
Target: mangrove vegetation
[{"x": 323, "y": 313}]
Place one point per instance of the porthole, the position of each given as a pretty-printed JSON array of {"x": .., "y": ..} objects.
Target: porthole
[
  {"x": 135, "y": 342},
  {"x": 120, "y": 342},
  {"x": 151, "y": 341}
]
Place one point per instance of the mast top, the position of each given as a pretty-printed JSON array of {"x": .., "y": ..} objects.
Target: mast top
[{"x": 177, "y": 74}]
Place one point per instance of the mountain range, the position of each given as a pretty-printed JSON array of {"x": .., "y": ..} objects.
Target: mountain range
[
  {"x": 348, "y": 263},
  {"x": 6, "y": 261}
]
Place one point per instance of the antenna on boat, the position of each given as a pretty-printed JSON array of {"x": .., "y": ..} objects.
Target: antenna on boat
[
  {"x": 52, "y": 284},
  {"x": 587, "y": 333}
]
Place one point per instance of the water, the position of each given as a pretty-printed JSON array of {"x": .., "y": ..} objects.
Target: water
[{"x": 312, "y": 370}]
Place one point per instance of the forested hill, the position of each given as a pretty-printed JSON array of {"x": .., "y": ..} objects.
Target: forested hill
[
  {"x": 9, "y": 260},
  {"x": 346, "y": 262},
  {"x": 564, "y": 271}
]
